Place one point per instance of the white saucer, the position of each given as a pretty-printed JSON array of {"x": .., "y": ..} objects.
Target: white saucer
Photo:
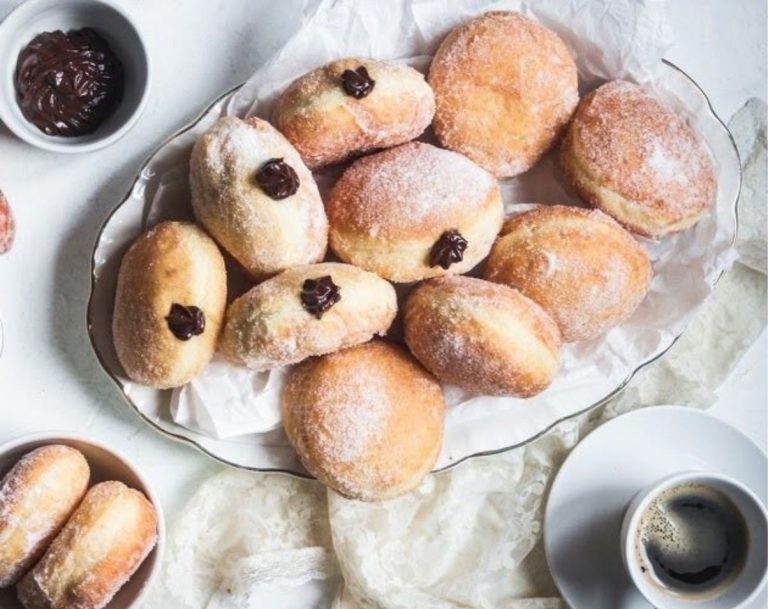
[{"x": 590, "y": 493}]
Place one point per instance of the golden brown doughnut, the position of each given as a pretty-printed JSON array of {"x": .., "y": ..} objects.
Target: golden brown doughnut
[
  {"x": 404, "y": 213},
  {"x": 584, "y": 270},
  {"x": 366, "y": 421},
  {"x": 335, "y": 112},
  {"x": 254, "y": 195},
  {"x": 638, "y": 160},
  {"x": 7, "y": 225},
  {"x": 36, "y": 498},
  {"x": 305, "y": 311},
  {"x": 169, "y": 304},
  {"x": 505, "y": 87},
  {"x": 483, "y": 337},
  {"x": 97, "y": 551}
]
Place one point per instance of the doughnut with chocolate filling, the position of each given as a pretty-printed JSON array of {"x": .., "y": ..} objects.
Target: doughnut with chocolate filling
[
  {"x": 305, "y": 311},
  {"x": 169, "y": 304},
  {"x": 413, "y": 212},
  {"x": 350, "y": 106},
  {"x": 252, "y": 192}
]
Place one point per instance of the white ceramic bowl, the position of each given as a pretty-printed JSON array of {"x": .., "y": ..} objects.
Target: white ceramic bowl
[
  {"x": 105, "y": 464},
  {"x": 115, "y": 26}
]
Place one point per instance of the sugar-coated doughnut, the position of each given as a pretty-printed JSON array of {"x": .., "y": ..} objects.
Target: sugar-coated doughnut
[
  {"x": 584, "y": 269},
  {"x": 483, "y": 337},
  {"x": 169, "y": 304},
  {"x": 413, "y": 212},
  {"x": 638, "y": 160},
  {"x": 353, "y": 105},
  {"x": 255, "y": 196},
  {"x": 366, "y": 421},
  {"x": 7, "y": 225},
  {"x": 505, "y": 87},
  {"x": 37, "y": 497},
  {"x": 305, "y": 311},
  {"x": 101, "y": 546}
]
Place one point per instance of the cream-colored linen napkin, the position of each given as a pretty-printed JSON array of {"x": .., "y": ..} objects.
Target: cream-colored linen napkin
[{"x": 469, "y": 537}]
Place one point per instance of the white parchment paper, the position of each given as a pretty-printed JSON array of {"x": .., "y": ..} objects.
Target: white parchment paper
[{"x": 233, "y": 413}]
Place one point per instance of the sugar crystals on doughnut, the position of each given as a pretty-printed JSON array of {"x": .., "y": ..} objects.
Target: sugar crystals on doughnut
[
  {"x": 7, "y": 225},
  {"x": 255, "y": 196},
  {"x": 351, "y": 106},
  {"x": 638, "y": 160},
  {"x": 169, "y": 304},
  {"x": 413, "y": 212},
  {"x": 584, "y": 269},
  {"x": 505, "y": 87},
  {"x": 101, "y": 546},
  {"x": 305, "y": 311},
  {"x": 366, "y": 421},
  {"x": 37, "y": 497},
  {"x": 483, "y": 337}
]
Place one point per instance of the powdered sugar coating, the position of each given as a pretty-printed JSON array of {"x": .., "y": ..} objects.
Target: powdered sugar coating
[
  {"x": 105, "y": 541},
  {"x": 326, "y": 125},
  {"x": 585, "y": 270},
  {"x": 483, "y": 337},
  {"x": 505, "y": 87},
  {"x": 173, "y": 263},
  {"x": 356, "y": 412},
  {"x": 36, "y": 497},
  {"x": 265, "y": 235},
  {"x": 388, "y": 209},
  {"x": 638, "y": 160},
  {"x": 268, "y": 326},
  {"x": 366, "y": 421},
  {"x": 7, "y": 225}
]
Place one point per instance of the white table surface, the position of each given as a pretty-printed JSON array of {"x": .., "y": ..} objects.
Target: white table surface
[{"x": 49, "y": 378}]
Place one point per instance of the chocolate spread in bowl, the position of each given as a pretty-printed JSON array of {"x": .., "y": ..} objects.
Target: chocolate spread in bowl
[{"x": 68, "y": 84}]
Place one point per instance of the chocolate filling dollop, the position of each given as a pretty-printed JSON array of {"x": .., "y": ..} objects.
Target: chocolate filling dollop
[
  {"x": 448, "y": 249},
  {"x": 357, "y": 83},
  {"x": 68, "y": 84},
  {"x": 319, "y": 295},
  {"x": 277, "y": 179},
  {"x": 185, "y": 321}
]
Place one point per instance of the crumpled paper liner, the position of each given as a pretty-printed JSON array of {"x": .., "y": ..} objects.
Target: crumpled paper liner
[{"x": 468, "y": 537}]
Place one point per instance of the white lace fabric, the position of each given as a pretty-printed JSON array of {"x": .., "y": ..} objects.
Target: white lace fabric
[
  {"x": 452, "y": 542},
  {"x": 239, "y": 530}
]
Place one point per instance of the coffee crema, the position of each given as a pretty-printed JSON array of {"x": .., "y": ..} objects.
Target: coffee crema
[{"x": 692, "y": 541}]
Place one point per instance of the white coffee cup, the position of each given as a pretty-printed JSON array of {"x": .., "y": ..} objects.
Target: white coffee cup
[{"x": 751, "y": 577}]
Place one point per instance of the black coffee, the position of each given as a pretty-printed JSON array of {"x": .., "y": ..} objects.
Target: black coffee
[{"x": 692, "y": 541}]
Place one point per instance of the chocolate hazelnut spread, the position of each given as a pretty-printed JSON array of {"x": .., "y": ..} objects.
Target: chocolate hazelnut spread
[
  {"x": 357, "y": 83},
  {"x": 449, "y": 248},
  {"x": 277, "y": 179},
  {"x": 319, "y": 295},
  {"x": 68, "y": 84},
  {"x": 185, "y": 321}
]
